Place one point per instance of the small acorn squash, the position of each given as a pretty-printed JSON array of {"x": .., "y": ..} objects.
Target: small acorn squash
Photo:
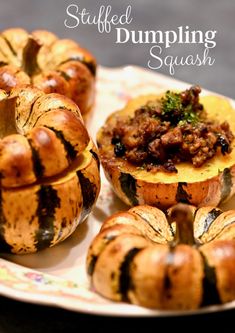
[
  {"x": 209, "y": 184},
  {"x": 49, "y": 169},
  {"x": 48, "y": 63},
  {"x": 181, "y": 259}
]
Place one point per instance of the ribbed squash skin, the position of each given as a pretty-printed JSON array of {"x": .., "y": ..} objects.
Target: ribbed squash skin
[
  {"x": 49, "y": 171},
  {"x": 210, "y": 184},
  {"x": 134, "y": 259},
  {"x": 48, "y": 63}
]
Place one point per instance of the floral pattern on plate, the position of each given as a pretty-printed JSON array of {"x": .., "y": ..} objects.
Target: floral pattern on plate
[{"x": 57, "y": 276}]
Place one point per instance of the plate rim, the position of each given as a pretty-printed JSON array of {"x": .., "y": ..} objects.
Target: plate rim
[{"x": 63, "y": 291}]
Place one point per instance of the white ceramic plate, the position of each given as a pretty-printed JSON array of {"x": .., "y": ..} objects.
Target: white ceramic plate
[{"x": 57, "y": 276}]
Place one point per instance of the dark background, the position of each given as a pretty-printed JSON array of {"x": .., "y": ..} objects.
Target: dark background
[{"x": 147, "y": 15}]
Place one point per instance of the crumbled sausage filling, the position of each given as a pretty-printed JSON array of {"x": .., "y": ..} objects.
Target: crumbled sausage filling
[{"x": 169, "y": 131}]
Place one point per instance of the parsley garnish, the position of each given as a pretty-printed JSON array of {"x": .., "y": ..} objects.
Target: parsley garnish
[{"x": 174, "y": 111}]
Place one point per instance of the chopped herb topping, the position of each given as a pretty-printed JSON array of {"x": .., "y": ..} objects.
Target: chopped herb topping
[
  {"x": 170, "y": 130},
  {"x": 182, "y": 107}
]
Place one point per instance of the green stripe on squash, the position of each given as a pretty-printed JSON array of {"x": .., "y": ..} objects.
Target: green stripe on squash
[
  {"x": 210, "y": 291},
  {"x": 210, "y": 218},
  {"x": 89, "y": 191},
  {"x": 227, "y": 184},
  {"x": 125, "y": 282},
  {"x": 71, "y": 152},
  {"x": 96, "y": 157},
  {"x": 38, "y": 167},
  {"x": 129, "y": 187},
  {"x": 48, "y": 201},
  {"x": 181, "y": 194}
]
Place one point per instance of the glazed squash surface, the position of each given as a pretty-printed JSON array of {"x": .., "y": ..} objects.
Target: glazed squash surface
[
  {"x": 181, "y": 259},
  {"x": 210, "y": 184},
  {"x": 49, "y": 170},
  {"x": 48, "y": 63},
  {"x": 41, "y": 135}
]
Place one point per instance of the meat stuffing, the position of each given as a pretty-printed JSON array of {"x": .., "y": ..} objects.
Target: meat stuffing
[{"x": 171, "y": 130}]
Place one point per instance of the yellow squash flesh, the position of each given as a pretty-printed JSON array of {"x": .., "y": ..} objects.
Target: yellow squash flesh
[{"x": 210, "y": 184}]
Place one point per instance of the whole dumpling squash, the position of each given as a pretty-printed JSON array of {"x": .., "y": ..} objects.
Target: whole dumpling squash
[
  {"x": 180, "y": 259},
  {"x": 48, "y": 63},
  {"x": 49, "y": 169}
]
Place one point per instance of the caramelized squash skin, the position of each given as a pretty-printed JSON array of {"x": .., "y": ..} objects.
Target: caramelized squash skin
[
  {"x": 48, "y": 63},
  {"x": 49, "y": 169},
  {"x": 158, "y": 260},
  {"x": 45, "y": 213},
  {"x": 211, "y": 184}
]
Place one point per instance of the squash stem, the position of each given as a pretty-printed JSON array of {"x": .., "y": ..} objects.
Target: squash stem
[
  {"x": 8, "y": 117},
  {"x": 30, "y": 52},
  {"x": 183, "y": 217}
]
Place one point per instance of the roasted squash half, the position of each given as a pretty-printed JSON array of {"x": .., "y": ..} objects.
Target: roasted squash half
[
  {"x": 48, "y": 63},
  {"x": 210, "y": 184},
  {"x": 49, "y": 170},
  {"x": 182, "y": 259}
]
